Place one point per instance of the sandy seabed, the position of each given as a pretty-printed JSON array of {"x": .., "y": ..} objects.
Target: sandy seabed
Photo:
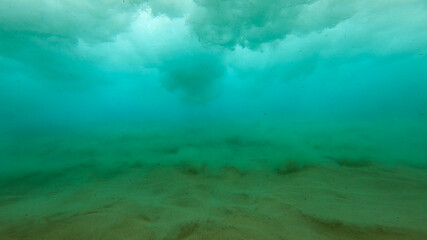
[{"x": 195, "y": 202}]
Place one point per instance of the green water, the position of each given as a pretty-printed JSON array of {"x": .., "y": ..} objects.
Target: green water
[
  {"x": 219, "y": 82},
  {"x": 208, "y": 84}
]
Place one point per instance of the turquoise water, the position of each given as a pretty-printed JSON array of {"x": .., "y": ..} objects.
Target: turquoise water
[{"x": 274, "y": 86}]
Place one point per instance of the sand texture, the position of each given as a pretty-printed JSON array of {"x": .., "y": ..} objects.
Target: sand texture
[{"x": 195, "y": 202}]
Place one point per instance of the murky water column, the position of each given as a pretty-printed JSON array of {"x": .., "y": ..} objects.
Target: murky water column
[{"x": 161, "y": 119}]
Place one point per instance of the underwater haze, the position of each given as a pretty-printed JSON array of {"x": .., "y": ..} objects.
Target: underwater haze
[{"x": 212, "y": 119}]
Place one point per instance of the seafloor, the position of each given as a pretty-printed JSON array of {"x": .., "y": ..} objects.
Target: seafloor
[{"x": 194, "y": 201}]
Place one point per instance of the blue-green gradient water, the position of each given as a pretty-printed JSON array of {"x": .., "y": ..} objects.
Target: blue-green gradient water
[
  {"x": 249, "y": 84},
  {"x": 111, "y": 81}
]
